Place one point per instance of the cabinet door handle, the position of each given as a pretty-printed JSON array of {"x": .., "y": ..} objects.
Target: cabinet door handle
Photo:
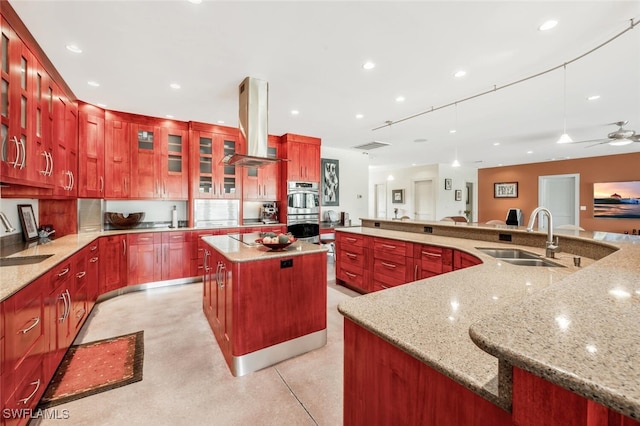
[
  {"x": 93, "y": 259},
  {"x": 383, "y": 286},
  {"x": 415, "y": 273},
  {"x": 426, "y": 253},
  {"x": 66, "y": 315},
  {"x": 388, "y": 265},
  {"x": 63, "y": 272},
  {"x": 350, "y": 274},
  {"x": 387, "y": 246},
  {"x": 63, "y": 296},
  {"x": 353, "y": 240},
  {"x": 24, "y": 153},
  {"x": 35, "y": 320},
  {"x": 101, "y": 184},
  {"x": 51, "y": 158},
  {"x": 351, "y": 255},
  {"x": 124, "y": 247},
  {"x": 80, "y": 313},
  {"x": 94, "y": 248},
  {"x": 18, "y": 151},
  {"x": 81, "y": 274},
  {"x": 25, "y": 401},
  {"x": 45, "y": 172},
  {"x": 73, "y": 181}
]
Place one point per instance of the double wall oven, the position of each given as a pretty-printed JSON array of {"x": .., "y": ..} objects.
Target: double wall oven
[{"x": 303, "y": 210}]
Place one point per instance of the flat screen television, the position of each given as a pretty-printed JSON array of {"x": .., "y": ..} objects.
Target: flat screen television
[{"x": 616, "y": 200}]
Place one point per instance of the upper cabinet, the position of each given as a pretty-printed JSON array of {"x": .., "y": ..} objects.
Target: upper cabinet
[
  {"x": 261, "y": 183},
  {"x": 65, "y": 146},
  {"x": 303, "y": 153},
  {"x": 91, "y": 159},
  {"x": 211, "y": 177},
  {"x": 117, "y": 161}
]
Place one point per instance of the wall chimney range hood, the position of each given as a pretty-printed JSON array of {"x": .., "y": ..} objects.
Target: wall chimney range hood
[{"x": 253, "y": 122}]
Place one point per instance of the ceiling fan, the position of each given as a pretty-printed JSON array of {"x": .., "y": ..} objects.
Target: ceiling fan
[{"x": 619, "y": 137}]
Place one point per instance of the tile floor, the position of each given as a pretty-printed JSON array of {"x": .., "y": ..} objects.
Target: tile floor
[{"x": 186, "y": 380}]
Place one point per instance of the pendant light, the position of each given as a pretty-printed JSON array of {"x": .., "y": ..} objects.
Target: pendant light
[
  {"x": 564, "y": 137},
  {"x": 455, "y": 163}
]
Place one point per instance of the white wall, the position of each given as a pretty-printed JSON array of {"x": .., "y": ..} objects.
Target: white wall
[
  {"x": 9, "y": 206},
  {"x": 445, "y": 203},
  {"x": 353, "y": 179},
  {"x": 154, "y": 210}
]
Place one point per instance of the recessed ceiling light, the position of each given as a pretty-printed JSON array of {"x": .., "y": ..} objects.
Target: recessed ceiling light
[
  {"x": 93, "y": 83},
  {"x": 295, "y": 112},
  {"x": 174, "y": 85},
  {"x": 220, "y": 121},
  {"x": 529, "y": 152},
  {"x": 548, "y": 25},
  {"x": 169, "y": 116},
  {"x": 593, "y": 97},
  {"x": 400, "y": 99},
  {"x": 460, "y": 73},
  {"x": 359, "y": 115},
  {"x": 496, "y": 143},
  {"x": 102, "y": 105},
  {"x": 73, "y": 48},
  {"x": 452, "y": 131},
  {"x": 195, "y": 1},
  {"x": 368, "y": 65}
]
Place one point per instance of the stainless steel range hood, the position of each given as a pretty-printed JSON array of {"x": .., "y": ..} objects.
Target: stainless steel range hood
[{"x": 253, "y": 122}]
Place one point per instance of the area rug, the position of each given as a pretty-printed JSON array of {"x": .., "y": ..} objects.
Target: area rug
[{"x": 94, "y": 367}]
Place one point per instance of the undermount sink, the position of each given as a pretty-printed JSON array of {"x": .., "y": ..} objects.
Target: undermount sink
[
  {"x": 518, "y": 257},
  {"x": 23, "y": 260}
]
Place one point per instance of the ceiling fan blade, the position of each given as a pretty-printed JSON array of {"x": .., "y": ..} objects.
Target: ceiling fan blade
[{"x": 600, "y": 141}]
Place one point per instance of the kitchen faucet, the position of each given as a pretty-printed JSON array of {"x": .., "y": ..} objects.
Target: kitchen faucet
[
  {"x": 6, "y": 223},
  {"x": 551, "y": 246}
]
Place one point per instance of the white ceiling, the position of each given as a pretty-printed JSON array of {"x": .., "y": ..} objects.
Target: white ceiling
[{"x": 311, "y": 53}]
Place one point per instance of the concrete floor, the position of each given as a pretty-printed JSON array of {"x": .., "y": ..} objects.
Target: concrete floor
[{"x": 185, "y": 377}]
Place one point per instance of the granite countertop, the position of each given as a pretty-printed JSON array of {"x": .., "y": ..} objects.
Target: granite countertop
[
  {"x": 513, "y": 313},
  {"x": 236, "y": 251}
]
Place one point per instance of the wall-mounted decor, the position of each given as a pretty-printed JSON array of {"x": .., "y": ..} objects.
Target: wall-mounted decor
[
  {"x": 505, "y": 190},
  {"x": 620, "y": 200},
  {"x": 397, "y": 196},
  {"x": 447, "y": 184},
  {"x": 458, "y": 195},
  {"x": 28, "y": 222},
  {"x": 330, "y": 183}
]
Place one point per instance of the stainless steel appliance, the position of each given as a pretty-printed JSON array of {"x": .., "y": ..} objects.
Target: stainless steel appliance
[
  {"x": 269, "y": 213},
  {"x": 303, "y": 210},
  {"x": 213, "y": 213}
]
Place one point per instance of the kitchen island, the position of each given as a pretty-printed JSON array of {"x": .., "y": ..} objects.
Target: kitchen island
[
  {"x": 264, "y": 306},
  {"x": 412, "y": 344}
]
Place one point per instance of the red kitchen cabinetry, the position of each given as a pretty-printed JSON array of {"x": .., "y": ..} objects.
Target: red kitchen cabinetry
[
  {"x": 303, "y": 153},
  {"x": 145, "y": 141},
  {"x": 117, "y": 166},
  {"x": 65, "y": 146},
  {"x": 60, "y": 310},
  {"x": 211, "y": 177},
  {"x": 145, "y": 258},
  {"x": 176, "y": 248},
  {"x": 352, "y": 267},
  {"x": 392, "y": 262},
  {"x": 93, "y": 273},
  {"x": 113, "y": 268},
  {"x": 91, "y": 171},
  {"x": 432, "y": 260},
  {"x": 462, "y": 260},
  {"x": 261, "y": 183},
  {"x": 173, "y": 161}
]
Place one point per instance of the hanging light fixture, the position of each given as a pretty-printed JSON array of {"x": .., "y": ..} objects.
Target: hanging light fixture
[
  {"x": 564, "y": 137},
  {"x": 455, "y": 163}
]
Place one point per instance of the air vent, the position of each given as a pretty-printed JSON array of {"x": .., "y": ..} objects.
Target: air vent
[{"x": 372, "y": 145}]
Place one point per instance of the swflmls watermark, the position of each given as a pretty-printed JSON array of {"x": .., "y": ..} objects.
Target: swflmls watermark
[{"x": 39, "y": 413}]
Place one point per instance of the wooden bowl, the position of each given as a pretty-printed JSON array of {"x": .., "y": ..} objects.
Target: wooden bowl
[
  {"x": 119, "y": 221},
  {"x": 278, "y": 246}
]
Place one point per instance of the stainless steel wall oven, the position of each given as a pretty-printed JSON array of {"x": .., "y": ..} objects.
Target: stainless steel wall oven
[{"x": 303, "y": 210}]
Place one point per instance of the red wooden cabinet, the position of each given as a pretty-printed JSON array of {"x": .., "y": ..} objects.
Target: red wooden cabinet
[
  {"x": 93, "y": 273},
  {"x": 211, "y": 177},
  {"x": 24, "y": 379},
  {"x": 392, "y": 263},
  {"x": 176, "y": 248},
  {"x": 117, "y": 157},
  {"x": 352, "y": 267},
  {"x": 463, "y": 259},
  {"x": 145, "y": 258},
  {"x": 79, "y": 292},
  {"x": 113, "y": 267},
  {"x": 261, "y": 183},
  {"x": 145, "y": 146},
  {"x": 173, "y": 161},
  {"x": 303, "y": 153},
  {"x": 91, "y": 160},
  {"x": 432, "y": 260},
  {"x": 65, "y": 146}
]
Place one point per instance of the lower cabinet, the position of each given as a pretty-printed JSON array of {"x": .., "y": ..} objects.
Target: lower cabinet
[
  {"x": 159, "y": 256},
  {"x": 113, "y": 268},
  {"x": 352, "y": 267},
  {"x": 432, "y": 260}
]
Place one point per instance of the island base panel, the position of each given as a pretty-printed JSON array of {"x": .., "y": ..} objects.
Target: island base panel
[
  {"x": 384, "y": 385},
  {"x": 254, "y": 361}
]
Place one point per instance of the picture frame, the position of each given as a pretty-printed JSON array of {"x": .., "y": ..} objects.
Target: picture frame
[
  {"x": 505, "y": 190},
  {"x": 330, "y": 182},
  {"x": 447, "y": 184},
  {"x": 458, "y": 195},
  {"x": 397, "y": 196},
  {"x": 28, "y": 222}
]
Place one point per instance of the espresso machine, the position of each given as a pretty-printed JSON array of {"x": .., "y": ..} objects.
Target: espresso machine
[{"x": 269, "y": 213}]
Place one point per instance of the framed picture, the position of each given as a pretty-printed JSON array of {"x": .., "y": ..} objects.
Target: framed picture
[
  {"x": 447, "y": 184},
  {"x": 28, "y": 222},
  {"x": 458, "y": 195},
  {"x": 505, "y": 190},
  {"x": 330, "y": 183},
  {"x": 397, "y": 196}
]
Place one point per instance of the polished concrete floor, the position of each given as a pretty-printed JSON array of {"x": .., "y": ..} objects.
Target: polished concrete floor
[{"x": 186, "y": 380}]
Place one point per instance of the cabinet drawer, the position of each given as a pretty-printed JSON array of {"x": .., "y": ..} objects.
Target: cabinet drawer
[
  {"x": 385, "y": 246},
  {"x": 350, "y": 240},
  {"x": 353, "y": 256},
  {"x": 391, "y": 269},
  {"x": 380, "y": 282},
  {"x": 352, "y": 276},
  {"x": 174, "y": 237},
  {"x": 25, "y": 323},
  {"x": 434, "y": 259},
  {"x": 29, "y": 383},
  {"x": 144, "y": 238},
  {"x": 59, "y": 274}
]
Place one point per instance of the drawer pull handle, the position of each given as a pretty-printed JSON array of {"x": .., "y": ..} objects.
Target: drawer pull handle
[
  {"x": 353, "y": 240},
  {"x": 383, "y": 286},
  {"x": 93, "y": 259},
  {"x": 80, "y": 313},
  {"x": 94, "y": 248},
  {"x": 81, "y": 274},
  {"x": 36, "y": 321},
  {"x": 387, "y": 246},
  {"x": 64, "y": 272},
  {"x": 351, "y": 255},
  {"x": 35, "y": 391},
  {"x": 350, "y": 275},
  {"x": 426, "y": 253},
  {"x": 388, "y": 265}
]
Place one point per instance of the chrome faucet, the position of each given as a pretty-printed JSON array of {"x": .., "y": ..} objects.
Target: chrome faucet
[
  {"x": 6, "y": 223},
  {"x": 551, "y": 246}
]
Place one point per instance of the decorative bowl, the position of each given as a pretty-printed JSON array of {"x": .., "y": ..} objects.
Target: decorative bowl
[
  {"x": 119, "y": 221},
  {"x": 277, "y": 246}
]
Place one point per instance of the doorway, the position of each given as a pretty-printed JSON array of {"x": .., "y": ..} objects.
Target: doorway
[
  {"x": 560, "y": 194},
  {"x": 468, "y": 207},
  {"x": 424, "y": 205},
  {"x": 380, "y": 201}
]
